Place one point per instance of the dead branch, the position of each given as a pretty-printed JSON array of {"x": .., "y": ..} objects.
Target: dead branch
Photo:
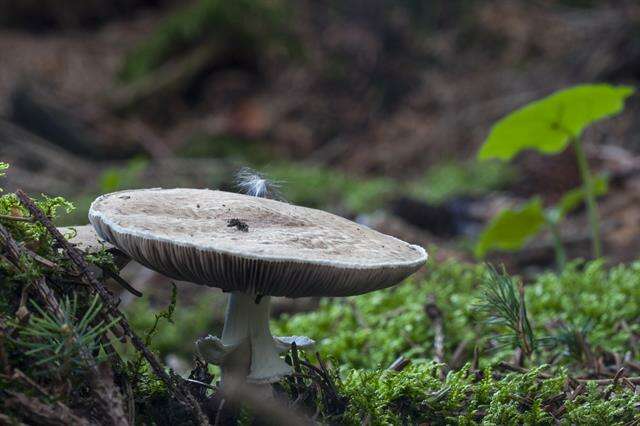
[
  {"x": 176, "y": 387},
  {"x": 44, "y": 414},
  {"x": 103, "y": 388}
]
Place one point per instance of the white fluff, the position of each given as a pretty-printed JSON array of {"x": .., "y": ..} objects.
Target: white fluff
[{"x": 255, "y": 184}]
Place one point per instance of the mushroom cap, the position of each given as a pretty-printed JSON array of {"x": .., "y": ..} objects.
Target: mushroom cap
[{"x": 287, "y": 250}]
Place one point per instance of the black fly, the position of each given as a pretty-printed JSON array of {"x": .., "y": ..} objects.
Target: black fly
[{"x": 239, "y": 224}]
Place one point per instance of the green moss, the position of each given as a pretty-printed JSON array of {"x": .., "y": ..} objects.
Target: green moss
[
  {"x": 34, "y": 233},
  {"x": 418, "y": 394},
  {"x": 581, "y": 293},
  {"x": 372, "y": 330}
]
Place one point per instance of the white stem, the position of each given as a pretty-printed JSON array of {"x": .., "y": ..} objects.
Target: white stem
[
  {"x": 247, "y": 327},
  {"x": 247, "y": 353},
  {"x": 266, "y": 364},
  {"x": 236, "y": 319}
]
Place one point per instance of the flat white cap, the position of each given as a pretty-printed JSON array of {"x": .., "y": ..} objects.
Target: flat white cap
[{"x": 278, "y": 249}]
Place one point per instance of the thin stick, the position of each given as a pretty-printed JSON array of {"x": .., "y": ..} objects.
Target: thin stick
[
  {"x": 15, "y": 218},
  {"x": 123, "y": 283},
  {"x": 435, "y": 315},
  {"x": 176, "y": 388}
]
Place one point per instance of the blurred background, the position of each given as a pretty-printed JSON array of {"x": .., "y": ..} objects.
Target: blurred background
[{"x": 371, "y": 109}]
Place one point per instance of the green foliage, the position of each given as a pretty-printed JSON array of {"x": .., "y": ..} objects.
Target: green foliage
[
  {"x": 139, "y": 368},
  {"x": 442, "y": 182},
  {"x": 372, "y": 330},
  {"x": 503, "y": 302},
  {"x": 166, "y": 314},
  {"x": 593, "y": 409},
  {"x": 591, "y": 293},
  {"x": 511, "y": 229},
  {"x": 118, "y": 178},
  {"x": 33, "y": 233},
  {"x": 319, "y": 187},
  {"x": 417, "y": 395},
  {"x": 550, "y": 124},
  {"x": 187, "y": 325},
  {"x": 244, "y": 24},
  {"x": 65, "y": 342},
  {"x": 575, "y": 198}
]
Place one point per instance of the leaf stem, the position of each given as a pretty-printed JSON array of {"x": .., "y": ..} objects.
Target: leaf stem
[
  {"x": 560, "y": 252},
  {"x": 590, "y": 198}
]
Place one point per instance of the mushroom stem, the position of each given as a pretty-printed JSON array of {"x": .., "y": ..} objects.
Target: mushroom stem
[
  {"x": 247, "y": 353},
  {"x": 266, "y": 364},
  {"x": 248, "y": 322},
  {"x": 236, "y": 319}
]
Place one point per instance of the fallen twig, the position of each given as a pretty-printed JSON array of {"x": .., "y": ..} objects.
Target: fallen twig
[
  {"x": 123, "y": 283},
  {"x": 15, "y": 218},
  {"x": 399, "y": 364}
]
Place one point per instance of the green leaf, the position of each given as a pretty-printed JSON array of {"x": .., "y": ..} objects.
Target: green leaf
[
  {"x": 549, "y": 124},
  {"x": 511, "y": 229},
  {"x": 574, "y": 198}
]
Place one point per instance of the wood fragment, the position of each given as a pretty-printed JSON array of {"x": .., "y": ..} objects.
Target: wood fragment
[
  {"x": 399, "y": 364},
  {"x": 605, "y": 382}
]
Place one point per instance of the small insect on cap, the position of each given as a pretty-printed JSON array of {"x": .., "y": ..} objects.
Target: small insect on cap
[{"x": 251, "y": 245}]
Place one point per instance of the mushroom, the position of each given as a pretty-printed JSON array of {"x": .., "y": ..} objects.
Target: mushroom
[{"x": 253, "y": 248}]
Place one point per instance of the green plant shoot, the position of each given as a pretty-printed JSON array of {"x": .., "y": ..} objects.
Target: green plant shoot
[
  {"x": 550, "y": 124},
  {"x": 513, "y": 228}
]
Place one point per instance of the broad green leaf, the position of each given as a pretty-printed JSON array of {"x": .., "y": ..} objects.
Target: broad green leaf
[
  {"x": 549, "y": 124},
  {"x": 511, "y": 229}
]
